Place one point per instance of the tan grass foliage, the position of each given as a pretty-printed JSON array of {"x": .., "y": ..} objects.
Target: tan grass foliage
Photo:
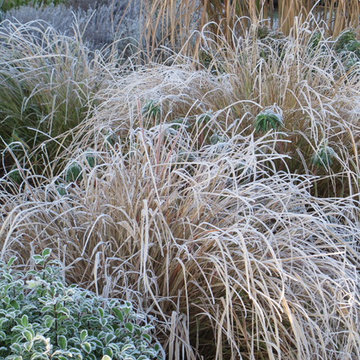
[
  {"x": 315, "y": 90},
  {"x": 234, "y": 262},
  {"x": 235, "y": 259},
  {"x": 175, "y": 20}
]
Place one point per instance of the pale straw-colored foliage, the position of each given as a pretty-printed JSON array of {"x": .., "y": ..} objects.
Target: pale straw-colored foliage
[{"x": 235, "y": 259}]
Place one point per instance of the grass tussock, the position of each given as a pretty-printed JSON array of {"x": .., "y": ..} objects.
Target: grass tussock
[
  {"x": 231, "y": 255},
  {"x": 308, "y": 77},
  {"x": 47, "y": 84},
  {"x": 316, "y": 95},
  {"x": 235, "y": 260}
]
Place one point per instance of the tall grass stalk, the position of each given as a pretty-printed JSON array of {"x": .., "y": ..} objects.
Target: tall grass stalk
[{"x": 170, "y": 22}]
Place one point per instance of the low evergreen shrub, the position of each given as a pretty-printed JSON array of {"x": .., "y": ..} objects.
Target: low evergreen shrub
[
  {"x": 43, "y": 318},
  {"x": 6, "y": 5}
]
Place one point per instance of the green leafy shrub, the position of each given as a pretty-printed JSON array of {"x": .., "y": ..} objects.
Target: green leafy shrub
[
  {"x": 43, "y": 318},
  {"x": 91, "y": 158},
  {"x": 6, "y": 5},
  {"x": 324, "y": 157},
  {"x": 74, "y": 172},
  {"x": 269, "y": 119},
  {"x": 151, "y": 110},
  {"x": 344, "y": 39},
  {"x": 348, "y": 47}
]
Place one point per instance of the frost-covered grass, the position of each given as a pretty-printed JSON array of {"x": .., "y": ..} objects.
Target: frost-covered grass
[
  {"x": 48, "y": 81},
  {"x": 217, "y": 190},
  {"x": 102, "y": 26},
  {"x": 234, "y": 258},
  {"x": 315, "y": 88}
]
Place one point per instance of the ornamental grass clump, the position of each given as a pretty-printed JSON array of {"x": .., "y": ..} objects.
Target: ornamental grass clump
[
  {"x": 43, "y": 318},
  {"x": 234, "y": 259},
  {"x": 110, "y": 24},
  {"x": 210, "y": 226},
  {"x": 315, "y": 86},
  {"x": 317, "y": 96},
  {"x": 47, "y": 85},
  {"x": 348, "y": 47},
  {"x": 171, "y": 23},
  {"x": 345, "y": 39}
]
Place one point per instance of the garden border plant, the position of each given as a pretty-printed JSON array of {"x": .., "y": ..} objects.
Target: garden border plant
[
  {"x": 43, "y": 318},
  {"x": 6, "y": 5}
]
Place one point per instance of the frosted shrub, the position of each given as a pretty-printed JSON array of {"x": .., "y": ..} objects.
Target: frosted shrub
[
  {"x": 43, "y": 318},
  {"x": 100, "y": 27}
]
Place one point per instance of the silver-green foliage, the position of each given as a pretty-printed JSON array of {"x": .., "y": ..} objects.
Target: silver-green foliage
[
  {"x": 268, "y": 119},
  {"x": 100, "y": 24},
  {"x": 6, "y": 5},
  {"x": 348, "y": 47},
  {"x": 324, "y": 156},
  {"x": 43, "y": 318}
]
